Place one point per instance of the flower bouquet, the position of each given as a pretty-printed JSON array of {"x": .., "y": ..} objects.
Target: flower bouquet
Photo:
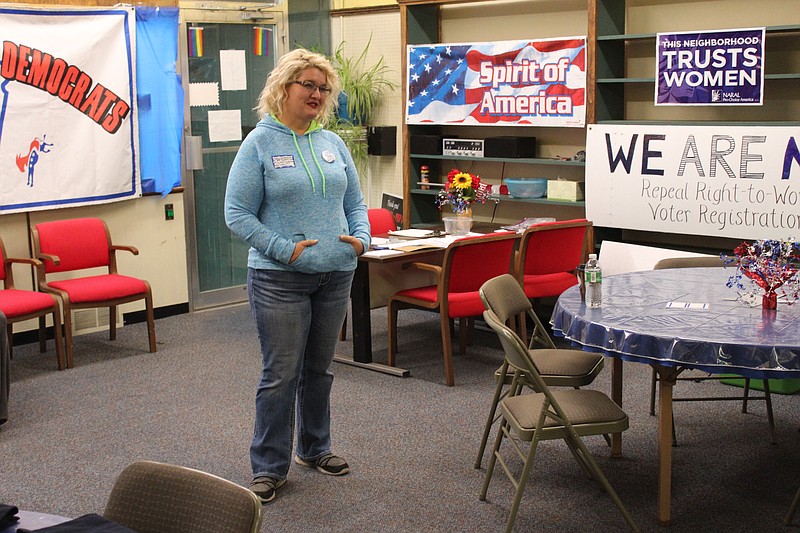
[
  {"x": 771, "y": 265},
  {"x": 461, "y": 191}
]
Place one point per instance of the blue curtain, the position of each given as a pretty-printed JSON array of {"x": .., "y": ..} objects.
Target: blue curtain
[{"x": 160, "y": 98}]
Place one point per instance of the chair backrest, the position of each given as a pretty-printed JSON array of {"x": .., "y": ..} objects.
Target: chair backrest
[
  {"x": 689, "y": 262},
  {"x": 151, "y": 497},
  {"x": 5, "y": 277},
  {"x": 471, "y": 261},
  {"x": 504, "y": 297},
  {"x": 381, "y": 221},
  {"x": 553, "y": 247},
  {"x": 79, "y": 243}
]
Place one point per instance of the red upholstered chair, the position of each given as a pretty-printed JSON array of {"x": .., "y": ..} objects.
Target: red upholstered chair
[
  {"x": 548, "y": 255},
  {"x": 83, "y": 243},
  {"x": 468, "y": 263},
  {"x": 18, "y": 305},
  {"x": 381, "y": 222}
]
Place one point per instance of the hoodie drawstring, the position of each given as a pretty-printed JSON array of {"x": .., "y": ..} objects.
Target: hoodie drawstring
[
  {"x": 314, "y": 155},
  {"x": 305, "y": 165}
]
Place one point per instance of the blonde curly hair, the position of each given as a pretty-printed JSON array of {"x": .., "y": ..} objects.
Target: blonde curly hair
[{"x": 288, "y": 69}]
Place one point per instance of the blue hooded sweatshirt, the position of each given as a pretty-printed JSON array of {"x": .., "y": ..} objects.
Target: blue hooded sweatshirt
[{"x": 284, "y": 188}]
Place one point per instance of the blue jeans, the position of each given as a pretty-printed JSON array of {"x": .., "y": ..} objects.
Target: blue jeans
[{"x": 298, "y": 317}]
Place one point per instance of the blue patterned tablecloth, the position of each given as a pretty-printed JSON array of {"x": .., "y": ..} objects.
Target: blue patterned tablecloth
[{"x": 635, "y": 323}]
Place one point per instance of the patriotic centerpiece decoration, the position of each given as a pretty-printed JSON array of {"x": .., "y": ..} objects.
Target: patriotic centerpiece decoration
[
  {"x": 771, "y": 267},
  {"x": 461, "y": 191}
]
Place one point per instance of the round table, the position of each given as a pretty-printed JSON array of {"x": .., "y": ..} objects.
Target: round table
[{"x": 679, "y": 319}]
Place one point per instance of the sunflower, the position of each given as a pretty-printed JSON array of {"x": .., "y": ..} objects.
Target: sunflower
[
  {"x": 462, "y": 180},
  {"x": 461, "y": 190}
]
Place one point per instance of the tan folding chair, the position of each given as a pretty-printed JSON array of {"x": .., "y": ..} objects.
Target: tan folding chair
[
  {"x": 558, "y": 367},
  {"x": 700, "y": 262},
  {"x": 151, "y": 497},
  {"x": 567, "y": 414}
]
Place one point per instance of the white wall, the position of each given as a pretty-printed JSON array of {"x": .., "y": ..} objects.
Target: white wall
[{"x": 382, "y": 32}]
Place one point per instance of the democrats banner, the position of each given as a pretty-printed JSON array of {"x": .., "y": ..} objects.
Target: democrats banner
[
  {"x": 741, "y": 182},
  {"x": 520, "y": 83},
  {"x": 68, "y": 134},
  {"x": 710, "y": 68}
]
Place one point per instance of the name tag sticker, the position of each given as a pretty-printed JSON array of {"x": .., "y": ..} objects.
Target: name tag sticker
[
  {"x": 686, "y": 305},
  {"x": 283, "y": 161}
]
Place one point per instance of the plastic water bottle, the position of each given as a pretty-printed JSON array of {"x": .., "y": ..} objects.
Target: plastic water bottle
[{"x": 594, "y": 282}]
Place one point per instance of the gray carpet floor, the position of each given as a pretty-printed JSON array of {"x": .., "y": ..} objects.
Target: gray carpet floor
[{"x": 411, "y": 442}]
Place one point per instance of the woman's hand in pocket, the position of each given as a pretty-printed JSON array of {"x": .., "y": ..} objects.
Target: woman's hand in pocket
[
  {"x": 300, "y": 246},
  {"x": 355, "y": 242}
]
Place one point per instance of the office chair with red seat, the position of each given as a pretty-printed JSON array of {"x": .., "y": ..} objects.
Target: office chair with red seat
[
  {"x": 79, "y": 244},
  {"x": 547, "y": 257},
  {"x": 381, "y": 222},
  {"x": 468, "y": 263},
  {"x": 19, "y": 304}
]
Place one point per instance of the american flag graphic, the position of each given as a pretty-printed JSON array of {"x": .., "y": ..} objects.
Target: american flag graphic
[{"x": 446, "y": 86}]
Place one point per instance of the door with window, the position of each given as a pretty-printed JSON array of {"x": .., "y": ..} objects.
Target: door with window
[{"x": 227, "y": 51}]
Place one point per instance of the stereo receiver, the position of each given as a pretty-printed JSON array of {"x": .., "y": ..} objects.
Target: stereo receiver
[{"x": 463, "y": 147}]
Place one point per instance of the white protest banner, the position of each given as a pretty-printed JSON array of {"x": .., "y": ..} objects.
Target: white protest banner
[
  {"x": 723, "y": 67},
  {"x": 724, "y": 181},
  {"x": 522, "y": 83},
  {"x": 68, "y": 133}
]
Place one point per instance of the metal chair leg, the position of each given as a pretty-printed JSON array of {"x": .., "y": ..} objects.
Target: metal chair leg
[{"x": 787, "y": 520}]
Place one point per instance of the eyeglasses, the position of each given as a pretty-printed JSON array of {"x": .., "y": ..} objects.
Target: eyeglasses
[{"x": 310, "y": 86}]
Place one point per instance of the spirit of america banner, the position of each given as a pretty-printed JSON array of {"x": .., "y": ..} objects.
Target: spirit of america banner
[
  {"x": 519, "y": 83},
  {"x": 68, "y": 134}
]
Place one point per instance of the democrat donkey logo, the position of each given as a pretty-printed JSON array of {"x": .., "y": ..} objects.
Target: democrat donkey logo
[{"x": 28, "y": 162}]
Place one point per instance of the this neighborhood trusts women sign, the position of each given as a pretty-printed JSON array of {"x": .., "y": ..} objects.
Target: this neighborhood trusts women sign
[{"x": 727, "y": 181}]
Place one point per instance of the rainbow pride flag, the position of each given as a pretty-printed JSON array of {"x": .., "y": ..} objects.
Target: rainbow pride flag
[
  {"x": 196, "y": 42},
  {"x": 261, "y": 38}
]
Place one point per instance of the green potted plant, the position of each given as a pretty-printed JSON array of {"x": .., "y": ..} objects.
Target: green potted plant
[{"x": 363, "y": 86}]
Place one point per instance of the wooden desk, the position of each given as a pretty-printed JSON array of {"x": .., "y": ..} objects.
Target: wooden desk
[
  {"x": 360, "y": 304},
  {"x": 635, "y": 324},
  {"x": 360, "y": 301}
]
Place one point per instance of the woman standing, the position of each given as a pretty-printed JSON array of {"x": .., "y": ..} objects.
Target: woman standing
[{"x": 293, "y": 194}]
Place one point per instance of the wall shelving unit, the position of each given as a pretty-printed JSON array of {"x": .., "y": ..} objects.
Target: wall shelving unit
[
  {"x": 621, "y": 70},
  {"x": 421, "y": 23},
  {"x": 620, "y": 84}
]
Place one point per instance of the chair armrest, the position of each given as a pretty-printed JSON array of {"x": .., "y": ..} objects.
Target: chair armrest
[
  {"x": 25, "y": 261},
  {"x": 50, "y": 257},
  {"x": 131, "y": 249},
  {"x": 436, "y": 269}
]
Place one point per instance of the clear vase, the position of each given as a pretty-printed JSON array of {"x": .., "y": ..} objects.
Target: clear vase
[{"x": 458, "y": 224}]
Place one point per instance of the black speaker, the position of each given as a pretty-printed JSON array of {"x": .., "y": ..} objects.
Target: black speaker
[
  {"x": 425, "y": 144},
  {"x": 509, "y": 147},
  {"x": 382, "y": 140}
]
